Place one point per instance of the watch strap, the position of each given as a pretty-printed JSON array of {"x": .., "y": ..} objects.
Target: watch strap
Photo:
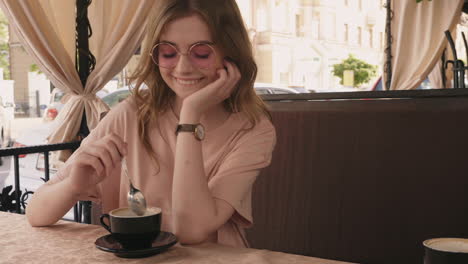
[{"x": 186, "y": 128}]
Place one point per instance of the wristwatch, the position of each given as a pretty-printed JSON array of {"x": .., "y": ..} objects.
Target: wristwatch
[{"x": 197, "y": 129}]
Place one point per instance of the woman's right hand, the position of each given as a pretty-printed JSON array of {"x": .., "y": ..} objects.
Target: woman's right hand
[{"x": 94, "y": 161}]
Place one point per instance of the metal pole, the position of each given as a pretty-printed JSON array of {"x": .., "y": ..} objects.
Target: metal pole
[
  {"x": 442, "y": 70},
  {"x": 38, "y": 104},
  {"x": 84, "y": 63},
  {"x": 17, "y": 184},
  {"x": 84, "y": 60},
  {"x": 388, "y": 48},
  {"x": 46, "y": 165},
  {"x": 456, "y": 62}
]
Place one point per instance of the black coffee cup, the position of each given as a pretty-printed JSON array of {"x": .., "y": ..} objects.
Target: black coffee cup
[
  {"x": 131, "y": 230},
  {"x": 446, "y": 251}
]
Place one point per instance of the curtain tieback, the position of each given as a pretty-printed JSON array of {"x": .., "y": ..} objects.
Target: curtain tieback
[{"x": 80, "y": 97}]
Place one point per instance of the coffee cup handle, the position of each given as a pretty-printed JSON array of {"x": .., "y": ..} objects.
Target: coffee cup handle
[{"x": 104, "y": 224}]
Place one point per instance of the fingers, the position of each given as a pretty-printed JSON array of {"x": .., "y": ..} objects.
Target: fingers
[
  {"x": 232, "y": 70},
  {"x": 233, "y": 77},
  {"x": 109, "y": 151},
  {"x": 101, "y": 154},
  {"x": 93, "y": 162},
  {"x": 120, "y": 145},
  {"x": 117, "y": 148},
  {"x": 215, "y": 92}
]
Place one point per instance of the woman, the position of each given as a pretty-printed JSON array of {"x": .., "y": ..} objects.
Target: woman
[{"x": 194, "y": 140}]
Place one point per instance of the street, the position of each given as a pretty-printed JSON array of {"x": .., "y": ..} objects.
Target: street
[{"x": 19, "y": 125}]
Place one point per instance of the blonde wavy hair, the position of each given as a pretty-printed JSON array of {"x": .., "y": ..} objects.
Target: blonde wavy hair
[{"x": 231, "y": 38}]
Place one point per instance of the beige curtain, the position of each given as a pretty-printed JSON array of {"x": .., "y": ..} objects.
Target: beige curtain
[
  {"x": 46, "y": 28},
  {"x": 419, "y": 39},
  {"x": 435, "y": 77}
]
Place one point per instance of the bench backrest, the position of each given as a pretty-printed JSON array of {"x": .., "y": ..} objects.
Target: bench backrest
[{"x": 364, "y": 181}]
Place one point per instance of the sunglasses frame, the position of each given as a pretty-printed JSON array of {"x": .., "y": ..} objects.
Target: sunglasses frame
[{"x": 210, "y": 45}]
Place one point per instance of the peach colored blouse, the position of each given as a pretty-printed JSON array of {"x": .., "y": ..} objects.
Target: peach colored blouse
[{"x": 233, "y": 156}]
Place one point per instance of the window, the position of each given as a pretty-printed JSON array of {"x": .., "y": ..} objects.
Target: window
[
  {"x": 299, "y": 25},
  {"x": 371, "y": 38},
  {"x": 346, "y": 33},
  {"x": 359, "y": 36},
  {"x": 381, "y": 40},
  {"x": 284, "y": 78}
]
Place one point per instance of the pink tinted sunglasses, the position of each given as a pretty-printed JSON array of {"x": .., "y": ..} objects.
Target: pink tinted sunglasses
[{"x": 166, "y": 55}]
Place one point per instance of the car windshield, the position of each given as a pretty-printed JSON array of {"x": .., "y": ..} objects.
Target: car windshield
[
  {"x": 261, "y": 91},
  {"x": 58, "y": 96},
  {"x": 114, "y": 98},
  {"x": 279, "y": 91}
]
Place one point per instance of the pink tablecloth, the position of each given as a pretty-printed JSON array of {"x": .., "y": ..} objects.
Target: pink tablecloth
[{"x": 69, "y": 243}]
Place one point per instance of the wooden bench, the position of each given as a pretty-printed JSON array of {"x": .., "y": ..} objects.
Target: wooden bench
[{"x": 364, "y": 180}]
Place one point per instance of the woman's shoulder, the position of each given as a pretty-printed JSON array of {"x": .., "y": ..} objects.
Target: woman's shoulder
[
  {"x": 260, "y": 122},
  {"x": 121, "y": 114},
  {"x": 252, "y": 138},
  {"x": 249, "y": 127}
]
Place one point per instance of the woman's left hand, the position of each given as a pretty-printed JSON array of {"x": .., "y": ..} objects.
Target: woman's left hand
[{"x": 214, "y": 93}]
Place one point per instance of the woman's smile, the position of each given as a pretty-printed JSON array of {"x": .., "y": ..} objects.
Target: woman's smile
[{"x": 187, "y": 81}]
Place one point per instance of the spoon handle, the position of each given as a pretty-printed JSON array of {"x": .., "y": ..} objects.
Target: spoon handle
[{"x": 124, "y": 165}]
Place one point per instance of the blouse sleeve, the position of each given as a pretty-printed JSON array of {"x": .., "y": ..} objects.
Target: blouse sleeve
[{"x": 235, "y": 177}]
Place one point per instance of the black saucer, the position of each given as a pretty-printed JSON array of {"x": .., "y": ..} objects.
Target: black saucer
[{"x": 164, "y": 241}]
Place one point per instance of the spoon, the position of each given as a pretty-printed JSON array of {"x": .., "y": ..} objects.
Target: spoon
[{"x": 135, "y": 198}]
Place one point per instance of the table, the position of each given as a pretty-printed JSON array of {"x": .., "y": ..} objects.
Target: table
[{"x": 69, "y": 242}]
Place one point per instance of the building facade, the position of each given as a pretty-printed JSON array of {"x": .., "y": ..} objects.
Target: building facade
[
  {"x": 296, "y": 42},
  {"x": 20, "y": 63}
]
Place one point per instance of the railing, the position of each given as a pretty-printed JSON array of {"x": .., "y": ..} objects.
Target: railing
[{"x": 82, "y": 210}]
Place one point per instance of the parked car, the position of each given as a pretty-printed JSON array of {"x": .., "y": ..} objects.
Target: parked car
[
  {"x": 56, "y": 104},
  {"x": 275, "y": 90},
  {"x": 301, "y": 89},
  {"x": 270, "y": 88},
  {"x": 117, "y": 96}
]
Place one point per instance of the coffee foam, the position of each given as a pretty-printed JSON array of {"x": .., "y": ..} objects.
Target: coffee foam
[
  {"x": 457, "y": 245},
  {"x": 127, "y": 212}
]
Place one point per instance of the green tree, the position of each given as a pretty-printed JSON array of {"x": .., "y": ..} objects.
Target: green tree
[
  {"x": 34, "y": 68},
  {"x": 4, "y": 47},
  {"x": 363, "y": 71}
]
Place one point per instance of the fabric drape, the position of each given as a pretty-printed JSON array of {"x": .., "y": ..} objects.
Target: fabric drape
[
  {"x": 419, "y": 39},
  {"x": 435, "y": 76},
  {"x": 46, "y": 30}
]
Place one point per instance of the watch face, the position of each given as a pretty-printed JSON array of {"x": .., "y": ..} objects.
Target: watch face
[{"x": 200, "y": 132}]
